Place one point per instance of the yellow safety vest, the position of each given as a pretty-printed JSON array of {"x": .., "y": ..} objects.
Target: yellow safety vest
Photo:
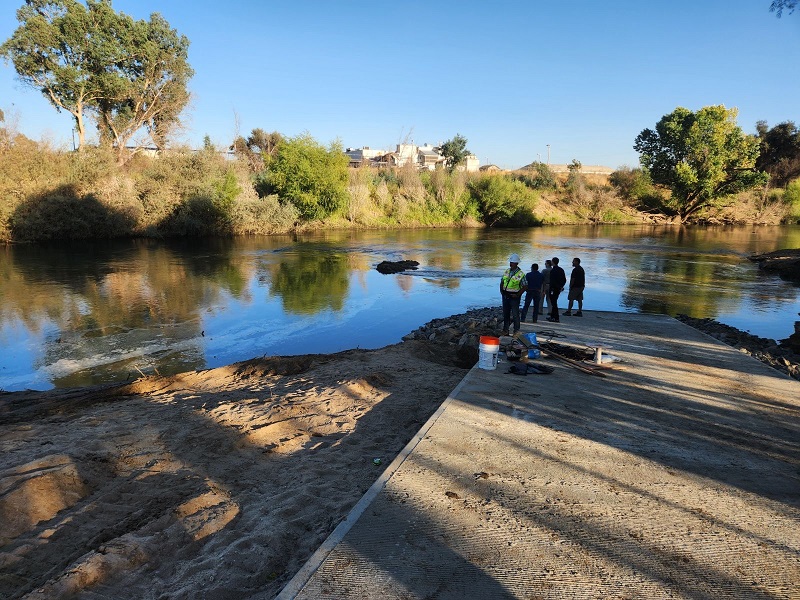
[{"x": 512, "y": 282}]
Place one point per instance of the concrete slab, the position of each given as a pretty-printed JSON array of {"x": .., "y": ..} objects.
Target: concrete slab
[{"x": 677, "y": 476}]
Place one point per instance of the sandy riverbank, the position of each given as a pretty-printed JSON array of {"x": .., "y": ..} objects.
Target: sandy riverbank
[{"x": 215, "y": 484}]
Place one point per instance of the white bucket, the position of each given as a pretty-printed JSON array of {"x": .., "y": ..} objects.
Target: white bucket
[{"x": 488, "y": 348}]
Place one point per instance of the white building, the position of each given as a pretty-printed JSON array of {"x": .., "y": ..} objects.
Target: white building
[
  {"x": 359, "y": 155},
  {"x": 423, "y": 157},
  {"x": 471, "y": 164}
]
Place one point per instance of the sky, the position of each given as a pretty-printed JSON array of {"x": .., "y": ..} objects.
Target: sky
[{"x": 520, "y": 80}]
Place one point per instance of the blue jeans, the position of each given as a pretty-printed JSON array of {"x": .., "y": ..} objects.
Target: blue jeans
[
  {"x": 510, "y": 311},
  {"x": 531, "y": 296}
]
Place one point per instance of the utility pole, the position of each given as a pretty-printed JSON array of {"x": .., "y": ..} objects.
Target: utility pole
[{"x": 548, "y": 155}]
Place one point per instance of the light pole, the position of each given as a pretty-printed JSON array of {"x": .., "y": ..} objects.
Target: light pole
[{"x": 548, "y": 155}]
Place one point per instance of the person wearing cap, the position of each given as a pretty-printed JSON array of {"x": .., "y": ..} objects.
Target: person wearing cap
[{"x": 512, "y": 285}]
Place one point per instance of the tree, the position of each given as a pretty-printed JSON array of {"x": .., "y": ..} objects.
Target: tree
[
  {"x": 264, "y": 143},
  {"x": 88, "y": 59},
  {"x": 702, "y": 157},
  {"x": 778, "y": 6},
  {"x": 455, "y": 151},
  {"x": 780, "y": 151},
  {"x": 146, "y": 88},
  {"x": 54, "y": 51},
  {"x": 258, "y": 148}
]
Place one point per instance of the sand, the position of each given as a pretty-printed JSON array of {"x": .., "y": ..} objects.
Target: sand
[{"x": 214, "y": 484}]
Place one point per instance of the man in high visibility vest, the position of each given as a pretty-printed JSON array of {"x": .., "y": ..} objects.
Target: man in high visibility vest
[{"x": 512, "y": 285}]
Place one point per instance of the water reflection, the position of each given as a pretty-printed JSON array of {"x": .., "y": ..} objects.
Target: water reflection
[
  {"x": 75, "y": 314},
  {"x": 310, "y": 279}
]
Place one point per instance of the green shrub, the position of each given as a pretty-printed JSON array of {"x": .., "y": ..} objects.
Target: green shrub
[
  {"x": 539, "y": 176},
  {"x": 636, "y": 187},
  {"x": 311, "y": 177},
  {"x": 502, "y": 200},
  {"x": 226, "y": 190}
]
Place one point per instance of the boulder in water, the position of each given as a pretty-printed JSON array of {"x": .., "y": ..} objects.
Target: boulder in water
[{"x": 389, "y": 267}]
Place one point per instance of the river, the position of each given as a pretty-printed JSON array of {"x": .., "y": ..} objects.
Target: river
[{"x": 76, "y": 314}]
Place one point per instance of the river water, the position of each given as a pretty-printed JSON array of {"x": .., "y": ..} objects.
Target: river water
[{"x": 84, "y": 313}]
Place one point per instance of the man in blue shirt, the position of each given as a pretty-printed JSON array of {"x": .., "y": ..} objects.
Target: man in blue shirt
[{"x": 534, "y": 293}]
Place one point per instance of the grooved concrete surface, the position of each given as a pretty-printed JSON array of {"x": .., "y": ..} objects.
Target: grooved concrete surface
[{"x": 677, "y": 476}]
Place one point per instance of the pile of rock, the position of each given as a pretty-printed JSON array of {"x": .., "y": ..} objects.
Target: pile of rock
[
  {"x": 784, "y": 356},
  {"x": 462, "y": 331}
]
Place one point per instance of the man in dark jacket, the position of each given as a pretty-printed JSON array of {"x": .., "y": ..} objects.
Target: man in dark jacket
[
  {"x": 577, "y": 281},
  {"x": 558, "y": 279}
]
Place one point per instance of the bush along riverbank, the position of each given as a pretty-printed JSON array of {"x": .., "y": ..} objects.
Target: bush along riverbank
[
  {"x": 300, "y": 185},
  {"x": 454, "y": 340}
]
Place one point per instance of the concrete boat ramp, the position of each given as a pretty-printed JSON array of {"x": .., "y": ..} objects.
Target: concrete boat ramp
[{"x": 675, "y": 476}]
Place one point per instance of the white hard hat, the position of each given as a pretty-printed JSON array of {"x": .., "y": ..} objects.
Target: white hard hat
[{"x": 513, "y": 258}]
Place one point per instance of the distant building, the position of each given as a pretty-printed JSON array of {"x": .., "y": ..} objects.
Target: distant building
[
  {"x": 423, "y": 157},
  {"x": 359, "y": 156},
  {"x": 471, "y": 164},
  {"x": 428, "y": 157}
]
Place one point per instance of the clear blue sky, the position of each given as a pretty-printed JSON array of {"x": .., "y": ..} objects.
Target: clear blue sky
[{"x": 511, "y": 76}]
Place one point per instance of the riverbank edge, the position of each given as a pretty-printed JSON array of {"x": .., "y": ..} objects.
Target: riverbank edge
[{"x": 635, "y": 218}]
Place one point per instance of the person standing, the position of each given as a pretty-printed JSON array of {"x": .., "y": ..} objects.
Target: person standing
[
  {"x": 533, "y": 294},
  {"x": 558, "y": 279},
  {"x": 548, "y": 266},
  {"x": 512, "y": 284},
  {"x": 577, "y": 281}
]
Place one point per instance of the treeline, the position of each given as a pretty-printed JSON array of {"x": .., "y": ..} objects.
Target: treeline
[{"x": 278, "y": 185}]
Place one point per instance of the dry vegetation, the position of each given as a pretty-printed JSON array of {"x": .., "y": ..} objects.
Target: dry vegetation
[{"x": 51, "y": 194}]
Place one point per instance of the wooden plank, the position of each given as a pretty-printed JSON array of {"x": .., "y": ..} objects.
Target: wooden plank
[{"x": 573, "y": 363}]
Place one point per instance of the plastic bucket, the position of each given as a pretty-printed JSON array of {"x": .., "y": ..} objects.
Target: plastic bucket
[{"x": 488, "y": 348}]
